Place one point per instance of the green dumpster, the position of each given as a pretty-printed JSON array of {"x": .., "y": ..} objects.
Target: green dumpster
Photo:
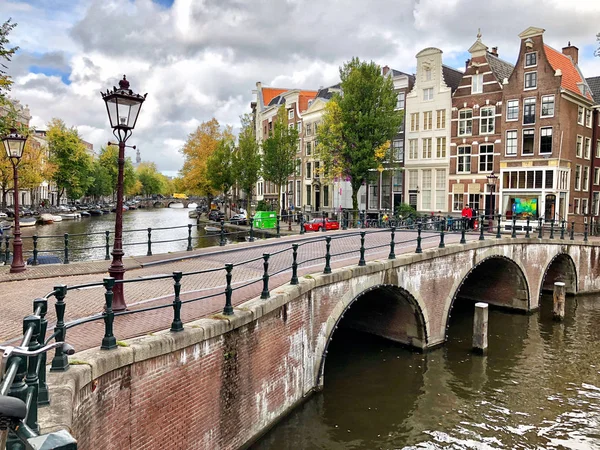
[{"x": 265, "y": 219}]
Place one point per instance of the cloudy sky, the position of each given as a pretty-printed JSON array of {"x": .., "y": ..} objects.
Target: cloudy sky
[{"x": 199, "y": 59}]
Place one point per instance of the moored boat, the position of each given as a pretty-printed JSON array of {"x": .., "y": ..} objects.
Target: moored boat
[
  {"x": 27, "y": 222},
  {"x": 96, "y": 212},
  {"x": 46, "y": 219},
  {"x": 57, "y": 218},
  {"x": 84, "y": 214},
  {"x": 210, "y": 229},
  {"x": 70, "y": 216}
]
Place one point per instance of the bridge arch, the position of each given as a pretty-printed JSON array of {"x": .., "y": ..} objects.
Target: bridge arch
[
  {"x": 560, "y": 268},
  {"x": 384, "y": 310},
  {"x": 495, "y": 279}
]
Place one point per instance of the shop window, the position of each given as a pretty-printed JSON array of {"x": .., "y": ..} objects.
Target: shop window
[{"x": 458, "y": 202}]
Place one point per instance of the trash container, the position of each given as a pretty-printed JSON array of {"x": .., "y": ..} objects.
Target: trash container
[{"x": 265, "y": 219}]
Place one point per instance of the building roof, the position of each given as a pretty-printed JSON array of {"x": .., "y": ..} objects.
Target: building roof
[
  {"x": 500, "y": 68},
  {"x": 397, "y": 73},
  {"x": 274, "y": 96},
  {"x": 452, "y": 77},
  {"x": 327, "y": 93},
  {"x": 303, "y": 99},
  {"x": 571, "y": 76},
  {"x": 594, "y": 84},
  {"x": 269, "y": 94}
]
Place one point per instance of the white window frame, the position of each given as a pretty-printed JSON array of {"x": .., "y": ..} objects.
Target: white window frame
[
  {"x": 414, "y": 122},
  {"x": 441, "y": 150},
  {"x": 427, "y": 94},
  {"x": 427, "y": 148},
  {"x": 462, "y": 159},
  {"x": 291, "y": 113},
  {"x": 580, "y": 115},
  {"x": 596, "y": 176},
  {"x": 585, "y": 183},
  {"x": 477, "y": 83},
  {"x": 579, "y": 146},
  {"x": 413, "y": 149},
  {"x": 523, "y": 141},
  {"x": 584, "y": 206},
  {"x": 544, "y": 97},
  {"x": 533, "y": 73},
  {"x": 427, "y": 120},
  {"x": 462, "y": 123},
  {"x": 508, "y": 110},
  {"x": 530, "y": 65},
  {"x": 527, "y": 102},
  {"x": 588, "y": 118},
  {"x": 576, "y": 206},
  {"x": 458, "y": 199},
  {"x": 551, "y": 140},
  {"x": 577, "y": 178},
  {"x": 509, "y": 140},
  {"x": 400, "y": 100},
  {"x": 587, "y": 148},
  {"x": 440, "y": 119},
  {"x": 490, "y": 119},
  {"x": 598, "y": 148},
  {"x": 486, "y": 169}
]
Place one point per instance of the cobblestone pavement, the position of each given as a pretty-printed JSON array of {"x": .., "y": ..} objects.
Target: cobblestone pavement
[{"x": 16, "y": 295}]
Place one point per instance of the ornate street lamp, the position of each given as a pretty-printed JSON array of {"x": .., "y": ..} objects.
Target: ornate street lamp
[
  {"x": 14, "y": 144},
  {"x": 123, "y": 107},
  {"x": 491, "y": 182}
]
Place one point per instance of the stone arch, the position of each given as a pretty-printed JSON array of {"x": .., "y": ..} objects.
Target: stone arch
[
  {"x": 560, "y": 268},
  {"x": 497, "y": 276},
  {"x": 415, "y": 332}
]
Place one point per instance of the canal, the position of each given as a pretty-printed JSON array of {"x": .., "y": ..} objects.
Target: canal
[
  {"x": 538, "y": 387},
  {"x": 87, "y": 239}
]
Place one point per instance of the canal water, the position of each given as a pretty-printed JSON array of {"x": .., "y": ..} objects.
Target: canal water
[
  {"x": 537, "y": 388},
  {"x": 88, "y": 241}
]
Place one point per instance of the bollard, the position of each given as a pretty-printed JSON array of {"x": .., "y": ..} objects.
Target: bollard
[
  {"x": 66, "y": 260},
  {"x": 60, "y": 362},
  {"x": 585, "y": 232},
  {"x": 265, "y": 292},
  {"x": 481, "y": 236},
  {"x": 302, "y": 230},
  {"x": 177, "y": 325},
  {"x": 35, "y": 251},
  {"x": 278, "y": 228},
  {"x": 189, "y": 246},
  {"x": 572, "y": 238},
  {"x": 107, "y": 256},
  {"x": 327, "y": 268},
  {"x": 294, "y": 279},
  {"x": 498, "y": 235},
  {"x": 527, "y": 229},
  {"x": 552, "y": 229},
  {"x": 149, "y": 252},
  {"x": 108, "y": 341},
  {"x": 480, "y": 328},
  {"x": 361, "y": 261},
  {"x": 419, "y": 249},
  {"x": 540, "y": 229},
  {"x": 251, "y": 238},
  {"x": 558, "y": 310},
  {"x": 324, "y": 228},
  {"x": 463, "y": 231},
  {"x": 222, "y": 239},
  {"x": 43, "y": 397},
  {"x": 562, "y": 229},
  {"x": 392, "y": 255},
  {"x": 228, "y": 309},
  {"x": 442, "y": 244},
  {"x": 514, "y": 228},
  {"x": 31, "y": 380}
]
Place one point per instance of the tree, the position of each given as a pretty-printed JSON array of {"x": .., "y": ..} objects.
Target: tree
[
  {"x": 200, "y": 145},
  {"x": 246, "y": 159},
  {"x": 6, "y": 54},
  {"x": 102, "y": 184},
  {"x": 71, "y": 161},
  {"x": 358, "y": 125},
  {"x": 597, "y": 52},
  {"x": 279, "y": 153},
  {"x": 220, "y": 168},
  {"x": 109, "y": 158},
  {"x": 151, "y": 181}
]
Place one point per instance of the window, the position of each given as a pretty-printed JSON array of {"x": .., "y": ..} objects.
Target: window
[
  {"x": 428, "y": 94},
  {"x": 427, "y": 148},
  {"x": 426, "y": 190},
  {"x": 511, "y": 143},
  {"x": 413, "y": 177},
  {"x": 464, "y": 160},
  {"x": 291, "y": 114},
  {"x": 413, "y": 149},
  {"x": 440, "y": 189},
  {"x": 316, "y": 169},
  {"x": 588, "y": 118},
  {"x": 580, "y": 115},
  {"x": 428, "y": 120},
  {"x": 486, "y": 158},
  {"x": 308, "y": 148},
  {"x": 465, "y": 122},
  {"x": 548, "y": 106},
  {"x": 584, "y": 206},
  {"x": 474, "y": 201},
  {"x": 308, "y": 195},
  {"x": 596, "y": 176},
  {"x": 398, "y": 150},
  {"x": 308, "y": 170},
  {"x": 528, "y": 138},
  {"x": 595, "y": 203},
  {"x": 576, "y": 209},
  {"x": 427, "y": 74},
  {"x": 457, "y": 202},
  {"x": 308, "y": 129},
  {"x": 598, "y": 148},
  {"x": 414, "y": 122},
  {"x": 577, "y": 177},
  {"x": 530, "y": 80},
  {"x": 549, "y": 179},
  {"x": 586, "y": 178},
  {"x": 291, "y": 126},
  {"x": 587, "y": 149},
  {"x": 441, "y": 119},
  {"x": 529, "y": 110},
  {"x": 298, "y": 167},
  {"x": 441, "y": 147},
  {"x": 486, "y": 120},
  {"x": 579, "y": 146},
  {"x": 512, "y": 110},
  {"x": 316, "y": 126},
  {"x": 530, "y": 59},
  {"x": 545, "y": 140},
  {"x": 477, "y": 84},
  {"x": 400, "y": 100},
  {"x": 299, "y": 127},
  {"x": 298, "y": 193}
]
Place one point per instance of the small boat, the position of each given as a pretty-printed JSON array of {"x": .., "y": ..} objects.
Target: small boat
[
  {"x": 105, "y": 211},
  {"x": 5, "y": 225},
  {"x": 3, "y": 215},
  {"x": 96, "y": 212},
  {"x": 28, "y": 222},
  {"x": 70, "y": 216},
  {"x": 46, "y": 219},
  {"x": 193, "y": 214},
  {"x": 210, "y": 229},
  {"x": 84, "y": 214},
  {"x": 192, "y": 205},
  {"x": 57, "y": 218}
]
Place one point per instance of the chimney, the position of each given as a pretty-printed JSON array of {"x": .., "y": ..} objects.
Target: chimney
[
  {"x": 572, "y": 51},
  {"x": 494, "y": 51},
  {"x": 467, "y": 62},
  {"x": 385, "y": 69}
]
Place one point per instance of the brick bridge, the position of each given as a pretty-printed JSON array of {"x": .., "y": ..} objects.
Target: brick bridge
[
  {"x": 167, "y": 202},
  {"x": 225, "y": 380}
]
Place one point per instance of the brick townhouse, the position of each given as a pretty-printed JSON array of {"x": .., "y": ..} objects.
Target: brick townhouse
[{"x": 594, "y": 84}]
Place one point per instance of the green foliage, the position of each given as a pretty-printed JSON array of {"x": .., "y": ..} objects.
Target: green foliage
[
  {"x": 279, "y": 152},
  {"x": 405, "y": 210},
  {"x": 247, "y": 160},
  {"x": 151, "y": 180},
  {"x": 109, "y": 158},
  {"x": 263, "y": 206},
  {"x": 6, "y": 54},
  {"x": 102, "y": 184},
  {"x": 219, "y": 167}
]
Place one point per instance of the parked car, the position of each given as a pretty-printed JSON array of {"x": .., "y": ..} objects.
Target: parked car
[
  {"x": 317, "y": 225},
  {"x": 239, "y": 219}
]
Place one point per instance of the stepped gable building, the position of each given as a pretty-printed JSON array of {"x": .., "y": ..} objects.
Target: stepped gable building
[
  {"x": 477, "y": 145},
  {"x": 545, "y": 169},
  {"x": 428, "y": 110},
  {"x": 594, "y": 84}
]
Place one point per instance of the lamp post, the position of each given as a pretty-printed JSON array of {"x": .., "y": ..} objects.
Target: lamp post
[
  {"x": 123, "y": 107},
  {"x": 491, "y": 182},
  {"x": 14, "y": 144}
]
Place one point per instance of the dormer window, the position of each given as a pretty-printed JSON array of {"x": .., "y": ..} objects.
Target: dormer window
[{"x": 531, "y": 59}]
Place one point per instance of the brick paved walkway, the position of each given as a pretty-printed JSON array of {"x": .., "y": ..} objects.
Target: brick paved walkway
[{"x": 17, "y": 291}]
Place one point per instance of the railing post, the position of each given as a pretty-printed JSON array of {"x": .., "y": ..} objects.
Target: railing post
[
  {"x": 265, "y": 292},
  {"x": 42, "y": 305},
  {"x": 294, "y": 264},
  {"x": 442, "y": 244},
  {"x": 189, "y": 247},
  {"x": 585, "y": 232},
  {"x": 7, "y": 249},
  {"x": 419, "y": 249},
  {"x": 149, "y": 252},
  {"x": 60, "y": 362},
  {"x": 498, "y": 235},
  {"x": 540, "y": 229},
  {"x": 228, "y": 308},
  {"x": 324, "y": 228},
  {"x": 552, "y": 229},
  {"x": 327, "y": 268},
  {"x": 278, "y": 227},
  {"x": 361, "y": 261},
  {"x": 32, "y": 375},
  {"x": 364, "y": 219},
  {"x": 572, "y": 237},
  {"x": 18, "y": 389},
  {"x": 222, "y": 240},
  {"x": 514, "y": 228},
  {"x": 392, "y": 254},
  {"x": 302, "y": 231},
  {"x": 251, "y": 238},
  {"x": 562, "y": 229},
  {"x": 108, "y": 341},
  {"x": 35, "y": 250},
  {"x": 66, "y": 260},
  {"x": 177, "y": 325},
  {"x": 107, "y": 246},
  {"x": 527, "y": 229},
  {"x": 463, "y": 231},
  {"x": 481, "y": 225}
]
